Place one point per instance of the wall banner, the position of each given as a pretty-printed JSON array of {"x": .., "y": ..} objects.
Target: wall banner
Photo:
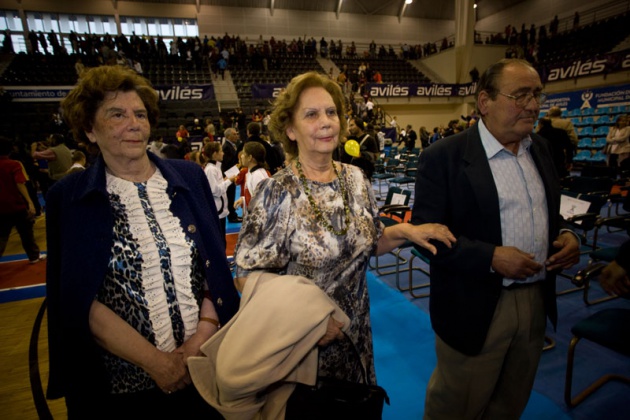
[
  {"x": 57, "y": 93},
  {"x": 590, "y": 98}
]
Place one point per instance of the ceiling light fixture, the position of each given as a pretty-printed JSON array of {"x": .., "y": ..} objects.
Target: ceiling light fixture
[{"x": 408, "y": 1}]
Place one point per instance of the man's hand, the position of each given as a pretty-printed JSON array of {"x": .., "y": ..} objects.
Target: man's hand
[
  {"x": 512, "y": 263},
  {"x": 568, "y": 254},
  {"x": 614, "y": 279}
]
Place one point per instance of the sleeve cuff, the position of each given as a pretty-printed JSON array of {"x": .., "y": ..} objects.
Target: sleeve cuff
[{"x": 574, "y": 234}]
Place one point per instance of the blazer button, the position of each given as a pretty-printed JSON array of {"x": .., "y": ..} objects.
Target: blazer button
[
  {"x": 220, "y": 302},
  {"x": 207, "y": 263},
  {"x": 192, "y": 229}
]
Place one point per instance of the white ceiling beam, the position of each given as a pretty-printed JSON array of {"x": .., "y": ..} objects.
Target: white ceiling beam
[
  {"x": 272, "y": 4},
  {"x": 402, "y": 10},
  {"x": 339, "y": 4}
]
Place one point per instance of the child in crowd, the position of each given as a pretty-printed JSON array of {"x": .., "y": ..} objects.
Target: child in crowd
[
  {"x": 253, "y": 158},
  {"x": 218, "y": 184}
]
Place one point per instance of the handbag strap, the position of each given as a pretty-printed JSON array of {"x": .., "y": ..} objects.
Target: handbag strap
[{"x": 356, "y": 353}]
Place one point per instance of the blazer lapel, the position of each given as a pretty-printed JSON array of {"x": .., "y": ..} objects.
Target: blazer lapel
[{"x": 477, "y": 169}]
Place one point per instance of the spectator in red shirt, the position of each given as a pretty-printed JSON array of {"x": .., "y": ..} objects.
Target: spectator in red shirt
[{"x": 16, "y": 206}]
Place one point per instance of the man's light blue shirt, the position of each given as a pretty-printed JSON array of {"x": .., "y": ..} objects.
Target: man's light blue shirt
[{"x": 522, "y": 199}]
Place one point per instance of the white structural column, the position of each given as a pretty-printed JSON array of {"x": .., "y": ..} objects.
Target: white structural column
[{"x": 464, "y": 38}]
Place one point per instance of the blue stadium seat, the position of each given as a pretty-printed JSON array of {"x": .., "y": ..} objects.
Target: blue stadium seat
[
  {"x": 582, "y": 156},
  {"x": 615, "y": 110},
  {"x": 586, "y": 131},
  {"x": 604, "y": 119},
  {"x": 598, "y": 157},
  {"x": 585, "y": 143},
  {"x": 588, "y": 121},
  {"x": 601, "y": 131}
]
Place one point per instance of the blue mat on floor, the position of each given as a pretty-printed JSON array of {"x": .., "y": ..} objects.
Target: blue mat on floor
[{"x": 404, "y": 348}]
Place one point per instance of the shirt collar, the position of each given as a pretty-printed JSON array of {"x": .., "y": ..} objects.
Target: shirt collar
[{"x": 492, "y": 146}]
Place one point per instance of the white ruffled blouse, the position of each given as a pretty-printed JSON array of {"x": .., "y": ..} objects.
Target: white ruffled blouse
[{"x": 153, "y": 281}]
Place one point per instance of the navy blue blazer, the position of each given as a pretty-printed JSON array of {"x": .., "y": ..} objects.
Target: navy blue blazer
[
  {"x": 79, "y": 227},
  {"x": 455, "y": 187}
]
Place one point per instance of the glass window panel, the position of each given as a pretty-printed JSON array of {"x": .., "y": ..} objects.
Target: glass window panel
[
  {"x": 179, "y": 28},
  {"x": 166, "y": 29},
  {"x": 138, "y": 28},
  {"x": 15, "y": 23},
  {"x": 19, "y": 44},
  {"x": 109, "y": 28}
]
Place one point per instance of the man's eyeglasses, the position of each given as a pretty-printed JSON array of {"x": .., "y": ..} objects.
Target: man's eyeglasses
[{"x": 524, "y": 99}]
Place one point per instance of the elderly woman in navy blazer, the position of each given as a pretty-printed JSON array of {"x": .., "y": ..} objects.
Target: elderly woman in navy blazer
[{"x": 137, "y": 277}]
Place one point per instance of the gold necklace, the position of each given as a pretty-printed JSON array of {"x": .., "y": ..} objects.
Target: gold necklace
[{"x": 315, "y": 208}]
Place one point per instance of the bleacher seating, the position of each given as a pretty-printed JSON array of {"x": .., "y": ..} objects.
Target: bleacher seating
[
  {"x": 279, "y": 71},
  {"x": 29, "y": 70},
  {"x": 582, "y": 156},
  {"x": 586, "y": 131},
  {"x": 591, "y": 40},
  {"x": 392, "y": 69},
  {"x": 603, "y": 119},
  {"x": 598, "y": 157},
  {"x": 585, "y": 143}
]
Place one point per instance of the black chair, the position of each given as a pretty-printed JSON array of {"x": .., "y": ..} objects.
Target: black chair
[
  {"x": 411, "y": 167},
  {"x": 416, "y": 254},
  {"x": 585, "y": 222},
  {"x": 393, "y": 212},
  {"x": 599, "y": 258},
  {"x": 389, "y": 171},
  {"x": 609, "y": 328}
]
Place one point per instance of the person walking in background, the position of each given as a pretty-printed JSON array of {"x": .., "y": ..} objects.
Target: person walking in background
[
  {"x": 78, "y": 162},
  {"x": 57, "y": 154},
  {"x": 555, "y": 114},
  {"x": 16, "y": 207},
  {"x": 495, "y": 187},
  {"x": 230, "y": 158},
  {"x": 562, "y": 148}
]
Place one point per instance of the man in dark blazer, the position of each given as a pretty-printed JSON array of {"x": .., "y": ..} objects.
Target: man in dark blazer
[
  {"x": 495, "y": 187},
  {"x": 230, "y": 158},
  {"x": 271, "y": 156}
]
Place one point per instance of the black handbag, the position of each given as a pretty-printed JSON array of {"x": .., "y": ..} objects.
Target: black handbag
[{"x": 335, "y": 398}]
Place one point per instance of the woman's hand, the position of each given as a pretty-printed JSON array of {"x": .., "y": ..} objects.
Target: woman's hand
[
  {"x": 421, "y": 234},
  {"x": 169, "y": 371},
  {"x": 238, "y": 203},
  {"x": 333, "y": 332},
  {"x": 191, "y": 347},
  {"x": 396, "y": 235}
]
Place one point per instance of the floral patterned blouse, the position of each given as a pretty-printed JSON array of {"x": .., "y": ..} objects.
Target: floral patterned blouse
[{"x": 281, "y": 234}]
